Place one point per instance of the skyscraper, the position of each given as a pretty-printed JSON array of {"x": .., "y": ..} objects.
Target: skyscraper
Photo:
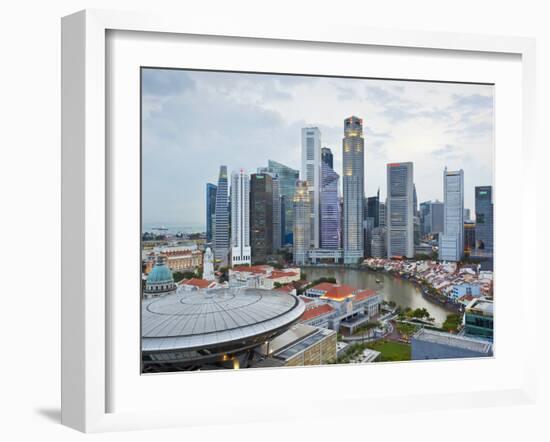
[
  {"x": 437, "y": 209},
  {"x": 301, "y": 204},
  {"x": 451, "y": 243},
  {"x": 484, "y": 219},
  {"x": 221, "y": 227},
  {"x": 240, "y": 218},
  {"x": 261, "y": 216},
  {"x": 373, "y": 208},
  {"x": 469, "y": 236},
  {"x": 210, "y": 210},
  {"x": 378, "y": 242},
  {"x": 277, "y": 215},
  {"x": 330, "y": 208},
  {"x": 382, "y": 215},
  {"x": 425, "y": 218},
  {"x": 327, "y": 157},
  {"x": 431, "y": 217},
  {"x": 415, "y": 201},
  {"x": 400, "y": 228},
  {"x": 287, "y": 185},
  {"x": 353, "y": 161},
  {"x": 368, "y": 225},
  {"x": 311, "y": 171}
]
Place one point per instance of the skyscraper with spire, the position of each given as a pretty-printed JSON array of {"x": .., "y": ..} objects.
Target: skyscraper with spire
[{"x": 353, "y": 161}]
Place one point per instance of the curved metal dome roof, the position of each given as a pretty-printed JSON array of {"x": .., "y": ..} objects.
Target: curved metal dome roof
[{"x": 205, "y": 318}]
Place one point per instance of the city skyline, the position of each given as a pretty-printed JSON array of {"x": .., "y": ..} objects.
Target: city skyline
[{"x": 183, "y": 144}]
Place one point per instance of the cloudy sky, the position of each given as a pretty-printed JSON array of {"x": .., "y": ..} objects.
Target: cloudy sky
[{"x": 193, "y": 121}]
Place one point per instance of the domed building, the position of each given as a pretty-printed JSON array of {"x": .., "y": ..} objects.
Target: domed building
[
  {"x": 160, "y": 280},
  {"x": 212, "y": 328}
]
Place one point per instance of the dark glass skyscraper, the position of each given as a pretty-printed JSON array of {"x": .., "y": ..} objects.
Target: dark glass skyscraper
[
  {"x": 484, "y": 219},
  {"x": 469, "y": 236},
  {"x": 327, "y": 157},
  {"x": 425, "y": 218},
  {"x": 221, "y": 228},
  {"x": 211, "y": 190},
  {"x": 261, "y": 216},
  {"x": 415, "y": 201},
  {"x": 373, "y": 208},
  {"x": 287, "y": 185}
]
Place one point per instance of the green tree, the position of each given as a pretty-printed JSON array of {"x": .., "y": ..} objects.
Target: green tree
[
  {"x": 452, "y": 323},
  {"x": 178, "y": 276}
]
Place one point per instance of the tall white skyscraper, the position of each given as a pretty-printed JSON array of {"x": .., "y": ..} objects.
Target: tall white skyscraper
[
  {"x": 451, "y": 243},
  {"x": 311, "y": 173},
  {"x": 353, "y": 177},
  {"x": 399, "y": 210},
  {"x": 240, "y": 218}
]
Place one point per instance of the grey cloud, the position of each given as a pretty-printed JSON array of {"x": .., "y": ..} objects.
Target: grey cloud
[
  {"x": 448, "y": 150},
  {"x": 345, "y": 93},
  {"x": 191, "y": 136},
  {"x": 475, "y": 101},
  {"x": 162, "y": 82},
  {"x": 397, "y": 109}
]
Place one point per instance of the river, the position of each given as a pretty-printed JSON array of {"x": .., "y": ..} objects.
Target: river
[{"x": 402, "y": 292}]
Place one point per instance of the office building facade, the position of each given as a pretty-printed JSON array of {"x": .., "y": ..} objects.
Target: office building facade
[
  {"x": 287, "y": 185},
  {"x": 373, "y": 208},
  {"x": 382, "y": 215},
  {"x": 240, "y": 218},
  {"x": 353, "y": 161},
  {"x": 330, "y": 208},
  {"x": 302, "y": 224},
  {"x": 211, "y": 190},
  {"x": 431, "y": 217},
  {"x": 451, "y": 242},
  {"x": 277, "y": 227},
  {"x": 484, "y": 219},
  {"x": 469, "y": 236},
  {"x": 311, "y": 173},
  {"x": 221, "y": 216},
  {"x": 437, "y": 209},
  {"x": 378, "y": 242},
  {"x": 400, "y": 227},
  {"x": 261, "y": 216},
  {"x": 277, "y": 218}
]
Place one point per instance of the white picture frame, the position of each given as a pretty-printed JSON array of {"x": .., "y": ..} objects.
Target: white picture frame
[{"x": 86, "y": 316}]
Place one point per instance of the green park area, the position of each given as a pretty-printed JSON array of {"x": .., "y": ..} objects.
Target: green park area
[{"x": 391, "y": 351}]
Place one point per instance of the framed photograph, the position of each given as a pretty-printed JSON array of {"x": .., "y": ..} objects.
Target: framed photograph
[{"x": 248, "y": 213}]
